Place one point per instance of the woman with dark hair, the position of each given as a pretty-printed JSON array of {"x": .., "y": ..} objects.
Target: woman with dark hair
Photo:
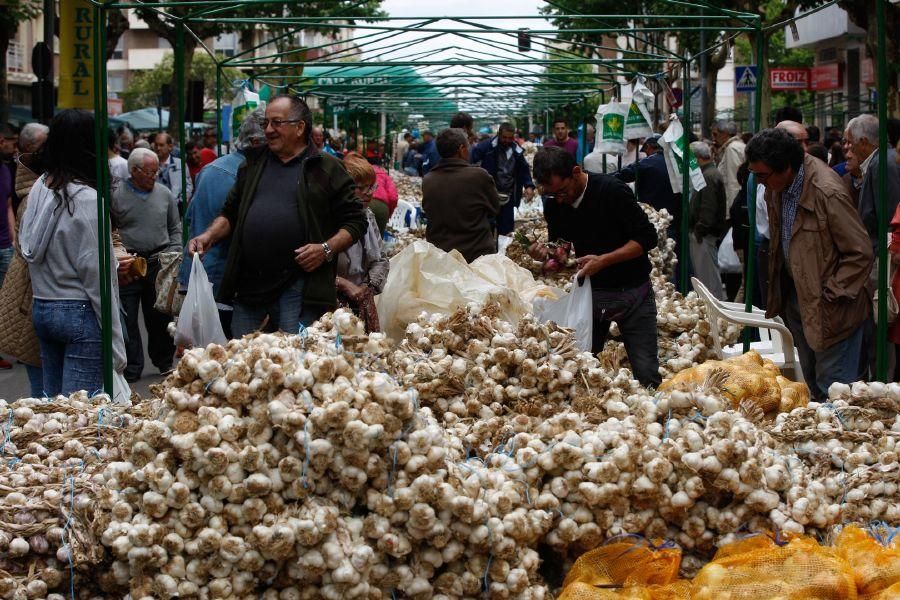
[
  {"x": 836, "y": 155},
  {"x": 59, "y": 238}
]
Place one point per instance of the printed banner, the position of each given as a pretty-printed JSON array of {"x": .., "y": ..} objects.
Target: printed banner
[{"x": 76, "y": 58}]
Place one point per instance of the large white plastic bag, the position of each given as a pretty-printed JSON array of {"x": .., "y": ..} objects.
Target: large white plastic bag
[
  {"x": 574, "y": 310},
  {"x": 674, "y": 147},
  {"x": 424, "y": 278},
  {"x": 610, "y": 134},
  {"x": 198, "y": 322},
  {"x": 728, "y": 258},
  {"x": 638, "y": 123}
]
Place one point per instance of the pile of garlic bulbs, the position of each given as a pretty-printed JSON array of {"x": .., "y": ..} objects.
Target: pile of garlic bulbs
[
  {"x": 53, "y": 452},
  {"x": 288, "y": 465},
  {"x": 409, "y": 187},
  {"x": 399, "y": 240},
  {"x": 474, "y": 364}
]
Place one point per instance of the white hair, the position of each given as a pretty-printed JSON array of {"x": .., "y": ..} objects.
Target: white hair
[
  {"x": 864, "y": 127},
  {"x": 729, "y": 127},
  {"x": 251, "y": 130},
  {"x": 137, "y": 156},
  {"x": 32, "y": 136},
  {"x": 701, "y": 150}
]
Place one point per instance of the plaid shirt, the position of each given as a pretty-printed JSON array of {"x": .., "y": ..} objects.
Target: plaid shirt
[{"x": 790, "y": 199}]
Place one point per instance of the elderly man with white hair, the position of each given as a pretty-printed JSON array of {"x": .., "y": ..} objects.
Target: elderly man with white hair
[
  {"x": 146, "y": 213},
  {"x": 706, "y": 221},
  {"x": 729, "y": 157},
  {"x": 862, "y": 136}
]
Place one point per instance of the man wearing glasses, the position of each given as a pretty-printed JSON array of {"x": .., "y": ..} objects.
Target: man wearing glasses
[
  {"x": 170, "y": 169},
  {"x": 820, "y": 258},
  {"x": 146, "y": 214},
  {"x": 290, "y": 212},
  {"x": 611, "y": 235}
]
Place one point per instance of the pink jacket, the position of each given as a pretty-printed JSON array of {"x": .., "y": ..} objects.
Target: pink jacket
[{"x": 387, "y": 191}]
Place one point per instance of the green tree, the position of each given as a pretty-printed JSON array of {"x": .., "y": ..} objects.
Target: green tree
[
  {"x": 12, "y": 12},
  {"x": 144, "y": 87},
  {"x": 222, "y": 22}
]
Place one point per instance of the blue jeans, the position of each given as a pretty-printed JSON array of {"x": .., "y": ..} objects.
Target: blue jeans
[
  {"x": 6, "y": 255},
  {"x": 285, "y": 313},
  {"x": 35, "y": 380},
  {"x": 839, "y": 363},
  {"x": 71, "y": 347}
]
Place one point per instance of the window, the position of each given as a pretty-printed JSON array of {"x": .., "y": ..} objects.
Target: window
[
  {"x": 15, "y": 58},
  {"x": 115, "y": 83},
  {"x": 225, "y": 44},
  {"x": 163, "y": 44},
  {"x": 119, "y": 52}
]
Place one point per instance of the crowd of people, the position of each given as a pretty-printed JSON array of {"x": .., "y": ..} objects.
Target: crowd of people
[{"x": 290, "y": 224}]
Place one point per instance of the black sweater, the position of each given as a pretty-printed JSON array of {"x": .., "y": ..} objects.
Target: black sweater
[{"x": 607, "y": 218}]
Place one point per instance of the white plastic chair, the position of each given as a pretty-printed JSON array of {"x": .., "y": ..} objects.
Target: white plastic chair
[
  {"x": 777, "y": 343},
  {"x": 397, "y": 222}
]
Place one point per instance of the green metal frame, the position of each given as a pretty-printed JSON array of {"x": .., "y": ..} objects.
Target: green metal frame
[{"x": 493, "y": 81}]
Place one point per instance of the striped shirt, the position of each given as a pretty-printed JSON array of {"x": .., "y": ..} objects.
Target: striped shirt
[{"x": 790, "y": 199}]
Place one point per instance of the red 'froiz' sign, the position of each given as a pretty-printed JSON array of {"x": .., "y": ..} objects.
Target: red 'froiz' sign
[{"x": 789, "y": 78}]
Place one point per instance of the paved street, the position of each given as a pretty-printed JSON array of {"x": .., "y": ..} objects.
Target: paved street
[{"x": 14, "y": 383}]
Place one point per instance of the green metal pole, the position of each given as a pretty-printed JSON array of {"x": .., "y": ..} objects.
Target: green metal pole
[
  {"x": 103, "y": 225},
  {"x": 179, "y": 89},
  {"x": 219, "y": 109},
  {"x": 883, "y": 217},
  {"x": 685, "y": 180},
  {"x": 750, "y": 279}
]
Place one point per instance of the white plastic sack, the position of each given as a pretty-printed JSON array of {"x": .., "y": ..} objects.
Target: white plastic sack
[
  {"x": 244, "y": 103},
  {"x": 121, "y": 390},
  {"x": 610, "y": 136},
  {"x": 728, "y": 259},
  {"x": 424, "y": 278},
  {"x": 674, "y": 148},
  {"x": 574, "y": 310},
  {"x": 638, "y": 123},
  {"x": 198, "y": 323}
]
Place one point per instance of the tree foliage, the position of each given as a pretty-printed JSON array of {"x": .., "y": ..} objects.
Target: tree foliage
[{"x": 144, "y": 87}]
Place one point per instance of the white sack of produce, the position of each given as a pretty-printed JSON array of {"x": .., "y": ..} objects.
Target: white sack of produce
[
  {"x": 574, "y": 310},
  {"x": 425, "y": 278},
  {"x": 502, "y": 271}
]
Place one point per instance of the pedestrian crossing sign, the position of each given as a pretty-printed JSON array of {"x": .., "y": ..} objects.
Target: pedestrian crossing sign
[{"x": 745, "y": 78}]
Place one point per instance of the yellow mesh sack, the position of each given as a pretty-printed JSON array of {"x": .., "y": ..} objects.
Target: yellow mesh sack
[
  {"x": 746, "y": 377},
  {"x": 680, "y": 590},
  {"x": 891, "y": 593},
  {"x": 876, "y": 564},
  {"x": 629, "y": 562},
  {"x": 800, "y": 570}
]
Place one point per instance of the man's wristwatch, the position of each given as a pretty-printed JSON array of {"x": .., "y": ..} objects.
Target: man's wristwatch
[{"x": 329, "y": 253}]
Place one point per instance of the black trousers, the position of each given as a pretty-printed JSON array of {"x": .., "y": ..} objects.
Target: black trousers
[
  {"x": 634, "y": 311},
  {"x": 137, "y": 296}
]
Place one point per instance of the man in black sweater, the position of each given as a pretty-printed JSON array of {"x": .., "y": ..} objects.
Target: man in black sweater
[{"x": 611, "y": 236}]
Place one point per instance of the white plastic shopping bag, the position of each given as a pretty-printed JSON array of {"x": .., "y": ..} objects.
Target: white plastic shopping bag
[
  {"x": 198, "y": 322},
  {"x": 574, "y": 310},
  {"x": 728, "y": 258},
  {"x": 638, "y": 123},
  {"x": 674, "y": 147},
  {"x": 245, "y": 102},
  {"x": 611, "y": 128},
  {"x": 121, "y": 390}
]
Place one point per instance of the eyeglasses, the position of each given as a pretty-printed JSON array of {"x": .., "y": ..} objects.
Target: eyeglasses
[
  {"x": 370, "y": 189},
  {"x": 276, "y": 123},
  {"x": 762, "y": 176},
  {"x": 145, "y": 172}
]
